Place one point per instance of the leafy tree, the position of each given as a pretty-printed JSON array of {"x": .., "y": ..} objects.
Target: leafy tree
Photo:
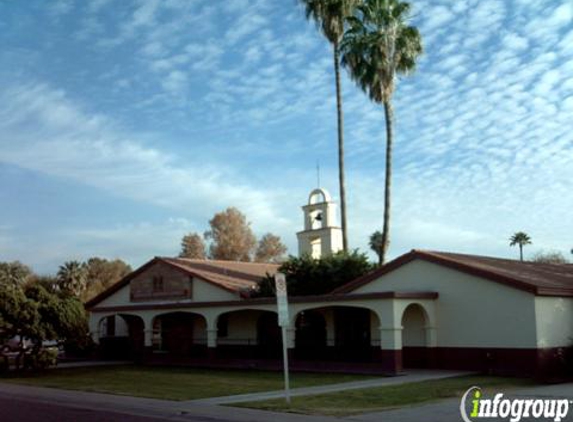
[
  {"x": 270, "y": 249},
  {"x": 18, "y": 314},
  {"x": 329, "y": 16},
  {"x": 102, "y": 273},
  {"x": 72, "y": 277},
  {"x": 551, "y": 257},
  {"x": 48, "y": 282},
  {"x": 375, "y": 244},
  {"x": 32, "y": 312},
  {"x": 192, "y": 246},
  {"x": 378, "y": 46},
  {"x": 308, "y": 276},
  {"x": 14, "y": 273},
  {"x": 521, "y": 239},
  {"x": 231, "y": 236}
]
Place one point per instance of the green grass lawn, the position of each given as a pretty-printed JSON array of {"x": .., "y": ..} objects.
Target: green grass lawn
[
  {"x": 172, "y": 383},
  {"x": 380, "y": 398}
]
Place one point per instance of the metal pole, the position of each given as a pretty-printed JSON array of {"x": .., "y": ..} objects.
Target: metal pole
[{"x": 285, "y": 365}]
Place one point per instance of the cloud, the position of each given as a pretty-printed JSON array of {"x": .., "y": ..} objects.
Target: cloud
[{"x": 49, "y": 133}]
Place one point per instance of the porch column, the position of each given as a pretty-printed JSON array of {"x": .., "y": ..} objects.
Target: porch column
[
  {"x": 212, "y": 337},
  {"x": 95, "y": 336},
  {"x": 148, "y": 337},
  {"x": 391, "y": 348}
]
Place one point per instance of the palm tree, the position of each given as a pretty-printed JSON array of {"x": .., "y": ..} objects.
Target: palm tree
[
  {"x": 377, "y": 46},
  {"x": 72, "y": 277},
  {"x": 521, "y": 239},
  {"x": 330, "y": 16},
  {"x": 375, "y": 244}
]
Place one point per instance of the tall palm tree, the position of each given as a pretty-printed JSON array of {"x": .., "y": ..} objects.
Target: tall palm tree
[
  {"x": 378, "y": 46},
  {"x": 521, "y": 239},
  {"x": 330, "y": 16}
]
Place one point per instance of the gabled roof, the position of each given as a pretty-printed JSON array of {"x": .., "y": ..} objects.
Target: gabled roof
[
  {"x": 229, "y": 275},
  {"x": 539, "y": 279}
]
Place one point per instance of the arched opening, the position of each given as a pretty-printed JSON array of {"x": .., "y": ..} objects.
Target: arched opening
[
  {"x": 414, "y": 342},
  {"x": 247, "y": 334},
  {"x": 310, "y": 340},
  {"x": 180, "y": 334},
  {"x": 318, "y": 196},
  {"x": 337, "y": 333},
  {"x": 268, "y": 335},
  {"x": 121, "y": 337}
]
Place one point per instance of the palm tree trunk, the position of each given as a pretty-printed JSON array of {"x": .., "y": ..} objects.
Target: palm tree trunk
[
  {"x": 340, "y": 122},
  {"x": 389, "y": 116},
  {"x": 520, "y": 252}
]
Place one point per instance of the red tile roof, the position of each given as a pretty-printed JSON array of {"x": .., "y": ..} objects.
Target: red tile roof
[
  {"x": 536, "y": 278},
  {"x": 229, "y": 275}
]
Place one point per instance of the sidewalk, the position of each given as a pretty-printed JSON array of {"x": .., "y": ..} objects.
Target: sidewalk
[
  {"x": 90, "y": 363},
  {"x": 411, "y": 376}
]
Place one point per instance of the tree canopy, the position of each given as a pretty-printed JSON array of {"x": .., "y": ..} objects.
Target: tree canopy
[
  {"x": 520, "y": 239},
  {"x": 231, "y": 236},
  {"x": 270, "y": 249},
  {"x": 101, "y": 273},
  {"x": 14, "y": 273},
  {"x": 550, "y": 257},
  {"x": 308, "y": 276},
  {"x": 192, "y": 246},
  {"x": 33, "y": 313}
]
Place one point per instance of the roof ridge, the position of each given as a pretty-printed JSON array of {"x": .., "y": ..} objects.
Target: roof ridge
[
  {"x": 451, "y": 255},
  {"x": 221, "y": 261}
]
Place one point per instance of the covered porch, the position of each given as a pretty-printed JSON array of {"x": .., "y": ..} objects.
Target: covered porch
[{"x": 361, "y": 333}]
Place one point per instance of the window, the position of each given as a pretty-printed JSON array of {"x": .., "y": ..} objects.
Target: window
[{"x": 157, "y": 284}]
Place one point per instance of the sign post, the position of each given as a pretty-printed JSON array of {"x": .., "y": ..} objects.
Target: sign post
[{"x": 282, "y": 304}]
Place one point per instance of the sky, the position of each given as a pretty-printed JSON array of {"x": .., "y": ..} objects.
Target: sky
[{"x": 126, "y": 124}]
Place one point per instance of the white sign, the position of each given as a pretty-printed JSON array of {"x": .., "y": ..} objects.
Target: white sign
[{"x": 282, "y": 302}]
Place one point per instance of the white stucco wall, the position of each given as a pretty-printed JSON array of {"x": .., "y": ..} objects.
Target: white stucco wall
[
  {"x": 554, "y": 321},
  {"x": 208, "y": 292},
  {"x": 470, "y": 311},
  {"x": 119, "y": 298}
]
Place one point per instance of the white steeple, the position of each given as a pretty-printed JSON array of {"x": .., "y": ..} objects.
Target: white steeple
[{"x": 320, "y": 236}]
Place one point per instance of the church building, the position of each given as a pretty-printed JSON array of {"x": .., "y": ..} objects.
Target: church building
[{"x": 424, "y": 309}]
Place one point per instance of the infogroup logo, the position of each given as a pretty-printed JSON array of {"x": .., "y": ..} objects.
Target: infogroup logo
[{"x": 512, "y": 409}]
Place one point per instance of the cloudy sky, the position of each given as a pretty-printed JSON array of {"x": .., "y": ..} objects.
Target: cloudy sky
[{"x": 126, "y": 124}]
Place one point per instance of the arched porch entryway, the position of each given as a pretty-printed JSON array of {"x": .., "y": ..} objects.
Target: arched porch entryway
[
  {"x": 121, "y": 336},
  {"x": 336, "y": 333},
  {"x": 180, "y": 334},
  {"x": 415, "y": 351},
  {"x": 248, "y": 334}
]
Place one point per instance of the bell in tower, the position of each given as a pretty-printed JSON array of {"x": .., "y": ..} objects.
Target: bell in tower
[{"x": 320, "y": 237}]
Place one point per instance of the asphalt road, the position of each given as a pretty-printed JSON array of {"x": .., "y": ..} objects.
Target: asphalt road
[{"x": 14, "y": 410}]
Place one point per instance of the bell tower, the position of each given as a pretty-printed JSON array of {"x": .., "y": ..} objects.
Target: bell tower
[{"x": 320, "y": 237}]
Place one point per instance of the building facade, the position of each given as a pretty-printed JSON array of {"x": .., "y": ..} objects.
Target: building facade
[{"x": 424, "y": 309}]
